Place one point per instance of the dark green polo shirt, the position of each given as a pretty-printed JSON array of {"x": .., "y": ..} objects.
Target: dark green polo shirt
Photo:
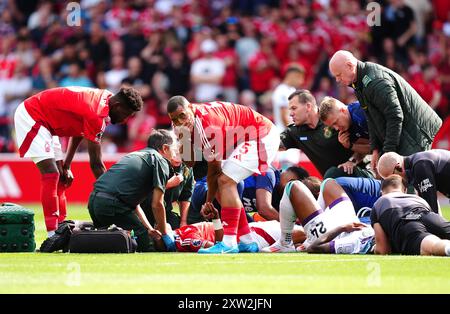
[
  {"x": 182, "y": 192},
  {"x": 321, "y": 145},
  {"x": 133, "y": 178}
]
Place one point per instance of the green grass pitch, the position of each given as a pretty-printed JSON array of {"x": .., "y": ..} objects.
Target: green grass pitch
[{"x": 239, "y": 273}]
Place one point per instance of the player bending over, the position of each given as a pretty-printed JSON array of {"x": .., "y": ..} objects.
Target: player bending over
[{"x": 237, "y": 142}]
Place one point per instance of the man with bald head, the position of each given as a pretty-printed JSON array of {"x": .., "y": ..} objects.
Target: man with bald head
[
  {"x": 399, "y": 120},
  {"x": 428, "y": 171}
]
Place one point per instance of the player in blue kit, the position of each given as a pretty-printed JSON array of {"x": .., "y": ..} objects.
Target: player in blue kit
[
  {"x": 363, "y": 193},
  {"x": 262, "y": 193},
  {"x": 351, "y": 123}
]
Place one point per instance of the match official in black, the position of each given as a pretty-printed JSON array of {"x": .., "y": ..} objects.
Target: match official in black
[
  {"x": 428, "y": 172},
  {"x": 404, "y": 223}
]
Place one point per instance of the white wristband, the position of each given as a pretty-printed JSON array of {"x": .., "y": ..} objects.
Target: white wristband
[{"x": 217, "y": 224}]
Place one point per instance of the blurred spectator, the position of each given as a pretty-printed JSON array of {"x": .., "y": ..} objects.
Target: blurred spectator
[
  {"x": 98, "y": 47},
  {"x": 115, "y": 76},
  {"x": 293, "y": 80},
  {"x": 137, "y": 77},
  {"x": 263, "y": 67},
  {"x": 441, "y": 9},
  {"x": 422, "y": 14},
  {"x": 180, "y": 29},
  {"x": 246, "y": 47},
  {"x": 76, "y": 77},
  {"x": 6, "y": 23},
  {"x": 401, "y": 25},
  {"x": 153, "y": 52},
  {"x": 227, "y": 53},
  {"x": 199, "y": 34},
  {"x": 64, "y": 57},
  {"x": 248, "y": 98},
  {"x": 7, "y": 58},
  {"x": 294, "y": 57},
  {"x": 24, "y": 51},
  {"x": 108, "y": 144},
  {"x": 16, "y": 89},
  {"x": 177, "y": 70},
  {"x": 325, "y": 89},
  {"x": 139, "y": 128},
  {"x": 133, "y": 41},
  {"x": 43, "y": 16},
  {"x": 44, "y": 77},
  {"x": 390, "y": 57},
  {"x": 444, "y": 76},
  {"x": 427, "y": 84},
  {"x": 207, "y": 73}
]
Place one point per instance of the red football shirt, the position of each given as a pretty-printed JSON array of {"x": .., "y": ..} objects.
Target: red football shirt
[
  {"x": 71, "y": 111},
  {"x": 234, "y": 123},
  {"x": 191, "y": 238}
]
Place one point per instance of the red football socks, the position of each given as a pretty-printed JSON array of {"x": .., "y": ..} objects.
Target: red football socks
[
  {"x": 49, "y": 199},
  {"x": 230, "y": 219},
  {"x": 62, "y": 200},
  {"x": 243, "y": 227}
]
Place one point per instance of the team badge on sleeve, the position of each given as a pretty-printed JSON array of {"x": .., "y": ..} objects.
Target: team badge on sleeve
[
  {"x": 98, "y": 136},
  {"x": 327, "y": 132},
  {"x": 196, "y": 243}
]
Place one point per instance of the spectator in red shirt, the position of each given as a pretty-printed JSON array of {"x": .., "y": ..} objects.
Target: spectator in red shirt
[
  {"x": 262, "y": 67},
  {"x": 426, "y": 83},
  {"x": 229, "y": 56}
]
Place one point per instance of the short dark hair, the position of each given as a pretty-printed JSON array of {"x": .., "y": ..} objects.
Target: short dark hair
[
  {"x": 313, "y": 184},
  {"x": 394, "y": 181},
  {"x": 158, "y": 138},
  {"x": 304, "y": 96},
  {"x": 299, "y": 172},
  {"x": 294, "y": 68},
  {"x": 174, "y": 102},
  {"x": 130, "y": 98}
]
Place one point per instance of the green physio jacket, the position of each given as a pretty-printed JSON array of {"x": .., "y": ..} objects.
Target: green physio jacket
[{"x": 399, "y": 119}]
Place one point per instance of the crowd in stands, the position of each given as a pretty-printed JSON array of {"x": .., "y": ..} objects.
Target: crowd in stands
[{"x": 208, "y": 50}]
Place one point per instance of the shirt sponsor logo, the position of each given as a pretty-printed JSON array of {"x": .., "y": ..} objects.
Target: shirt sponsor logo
[
  {"x": 425, "y": 185},
  {"x": 303, "y": 138}
]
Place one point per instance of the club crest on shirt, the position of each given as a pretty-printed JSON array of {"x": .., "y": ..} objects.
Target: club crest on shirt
[
  {"x": 327, "y": 132},
  {"x": 47, "y": 147}
]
